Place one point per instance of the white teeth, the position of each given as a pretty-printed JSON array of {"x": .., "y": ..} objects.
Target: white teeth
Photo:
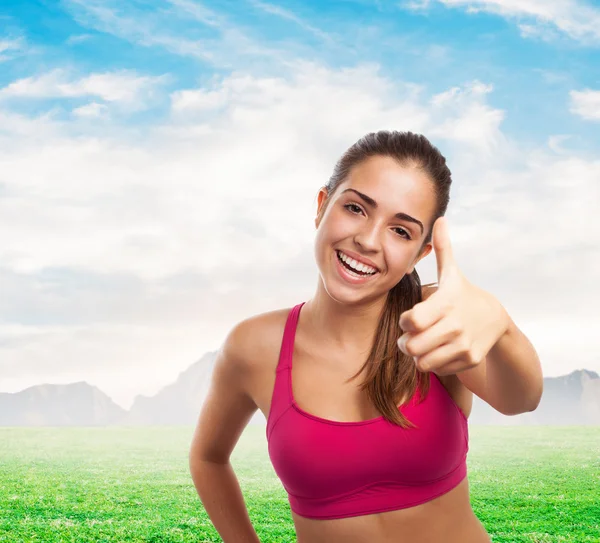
[{"x": 359, "y": 266}]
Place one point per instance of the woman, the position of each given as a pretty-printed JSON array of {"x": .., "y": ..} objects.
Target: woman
[{"x": 384, "y": 459}]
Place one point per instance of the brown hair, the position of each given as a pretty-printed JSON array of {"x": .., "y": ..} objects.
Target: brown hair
[{"x": 390, "y": 373}]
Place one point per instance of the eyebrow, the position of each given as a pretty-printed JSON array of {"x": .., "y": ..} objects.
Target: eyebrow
[{"x": 373, "y": 204}]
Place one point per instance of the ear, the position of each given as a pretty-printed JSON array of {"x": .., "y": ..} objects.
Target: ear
[
  {"x": 427, "y": 249},
  {"x": 320, "y": 205}
]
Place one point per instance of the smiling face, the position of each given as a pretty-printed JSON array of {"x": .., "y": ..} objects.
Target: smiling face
[{"x": 383, "y": 229}]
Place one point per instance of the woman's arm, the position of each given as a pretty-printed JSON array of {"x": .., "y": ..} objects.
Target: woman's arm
[
  {"x": 462, "y": 329},
  {"x": 221, "y": 495},
  {"x": 224, "y": 415},
  {"x": 509, "y": 378}
]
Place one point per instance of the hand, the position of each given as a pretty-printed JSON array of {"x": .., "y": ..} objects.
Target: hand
[{"x": 454, "y": 328}]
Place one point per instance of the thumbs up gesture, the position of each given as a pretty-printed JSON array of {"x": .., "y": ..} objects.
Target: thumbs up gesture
[{"x": 454, "y": 328}]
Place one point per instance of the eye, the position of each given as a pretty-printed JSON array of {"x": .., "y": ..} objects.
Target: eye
[
  {"x": 404, "y": 234},
  {"x": 352, "y": 205},
  {"x": 404, "y": 231}
]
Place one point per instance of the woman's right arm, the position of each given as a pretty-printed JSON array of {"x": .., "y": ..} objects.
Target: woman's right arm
[{"x": 224, "y": 415}]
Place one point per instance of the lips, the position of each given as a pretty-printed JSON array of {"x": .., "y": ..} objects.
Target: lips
[
  {"x": 358, "y": 258},
  {"x": 350, "y": 278}
]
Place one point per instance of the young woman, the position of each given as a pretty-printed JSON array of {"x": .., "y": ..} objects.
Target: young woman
[{"x": 381, "y": 459}]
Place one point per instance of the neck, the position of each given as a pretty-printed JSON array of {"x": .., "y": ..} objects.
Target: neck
[{"x": 343, "y": 326}]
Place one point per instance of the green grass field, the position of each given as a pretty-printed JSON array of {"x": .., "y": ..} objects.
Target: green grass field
[{"x": 528, "y": 484}]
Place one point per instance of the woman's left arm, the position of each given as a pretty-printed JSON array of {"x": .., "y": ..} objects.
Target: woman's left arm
[
  {"x": 510, "y": 377},
  {"x": 464, "y": 330}
]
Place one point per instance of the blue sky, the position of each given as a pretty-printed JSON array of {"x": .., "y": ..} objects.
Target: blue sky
[
  {"x": 119, "y": 121},
  {"x": 438, "y": 47}
]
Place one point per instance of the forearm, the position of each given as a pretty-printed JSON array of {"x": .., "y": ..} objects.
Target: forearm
[
  {"x": 221, "y": 495},
  {"x": 514, "y": 372}
]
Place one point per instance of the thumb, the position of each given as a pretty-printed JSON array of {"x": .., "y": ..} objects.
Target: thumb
[{"x": 443, "y": 250}]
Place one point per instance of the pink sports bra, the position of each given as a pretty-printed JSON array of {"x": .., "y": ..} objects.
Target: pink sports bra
[{"x": 334, "y": 469}]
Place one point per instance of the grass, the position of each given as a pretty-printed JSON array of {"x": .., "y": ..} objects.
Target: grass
[{"x": 528, "y": 484}]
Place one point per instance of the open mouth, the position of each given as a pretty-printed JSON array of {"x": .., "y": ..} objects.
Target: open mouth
[{"x": 352, "y": 271}]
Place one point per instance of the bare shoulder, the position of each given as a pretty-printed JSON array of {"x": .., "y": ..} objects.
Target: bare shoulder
[
  {"x": 229, "y": 404},
  {"x": 253, "y": 339}
]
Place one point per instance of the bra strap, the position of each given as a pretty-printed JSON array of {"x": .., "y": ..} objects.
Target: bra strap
[{"x": 289, "y": 335}]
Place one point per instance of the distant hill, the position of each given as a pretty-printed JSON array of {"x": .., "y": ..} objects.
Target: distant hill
[
  {"x": 177, "y": 403},
  {"x": 75, "y": 404},
  {"x": 572, "y": 399}
]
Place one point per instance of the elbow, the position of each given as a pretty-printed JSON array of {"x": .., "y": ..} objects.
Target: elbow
[
  {"x": 534, "y": 405},
  {"x": 194, "y": 459},
  {"x": 191, "y": 459},
  {"x": 530, "y": 404},
  {"x": 519, "y": 410},
  {"x": 192, "y": 463},
  {"x": 537, "y": 398}
]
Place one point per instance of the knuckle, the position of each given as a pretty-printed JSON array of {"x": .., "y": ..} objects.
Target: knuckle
[
  {"x": 409, "y": 347},
  {"x": 456, "y": 327},
  {"x": 417, "y": 322},
  {"x": 447, "y": 305},
  {"x": 474, "y": 356},
  {"x": 464, "y": 345}
]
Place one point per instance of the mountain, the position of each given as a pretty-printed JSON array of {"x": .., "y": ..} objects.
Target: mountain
[
  {"x": 177, "y": 403},
  {"x": 75, "y": 404},
  {"x": 572, "y": 399}
]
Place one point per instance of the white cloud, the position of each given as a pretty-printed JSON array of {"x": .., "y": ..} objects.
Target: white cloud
[
  {"x": 78, "y": 38},
  {"x": 200, "y": 13},
  {"x": 9, "y": 46},
  {"x": 544, "y": 32},
  {"x": 416, "y": 5},
  {"x": 230, "y": 47},
  {"x": 574, "y": 18},
  {"x": 129, "y": 256},
  {"x": 465, "y": 117},
  {"x": 586, "y": 104},
  {"x": 555, "y": 143},
  {"x": 552, "y": 77},
  {"x": 291, "y": 16},
  {"x": 93, "y": 110},
  {"x": 16, "y": 129},
  {"x": 123, "y": 86},
  {"x": 473, "y": 90},
  {"x": 197, "y": 100}
]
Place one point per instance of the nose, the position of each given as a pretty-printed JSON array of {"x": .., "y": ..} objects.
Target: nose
[{"x": 368, "y": 239}]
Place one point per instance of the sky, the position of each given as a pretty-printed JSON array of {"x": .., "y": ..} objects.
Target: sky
[{"x": 160, "y": 162}]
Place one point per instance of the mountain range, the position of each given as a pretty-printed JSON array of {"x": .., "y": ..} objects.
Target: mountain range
[{"x": 572, "y": 399}]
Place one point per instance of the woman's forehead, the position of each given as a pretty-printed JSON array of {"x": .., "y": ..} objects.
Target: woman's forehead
[
  {"x": 388, "y": 186},
  {"x": 383, "y": 168}
]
